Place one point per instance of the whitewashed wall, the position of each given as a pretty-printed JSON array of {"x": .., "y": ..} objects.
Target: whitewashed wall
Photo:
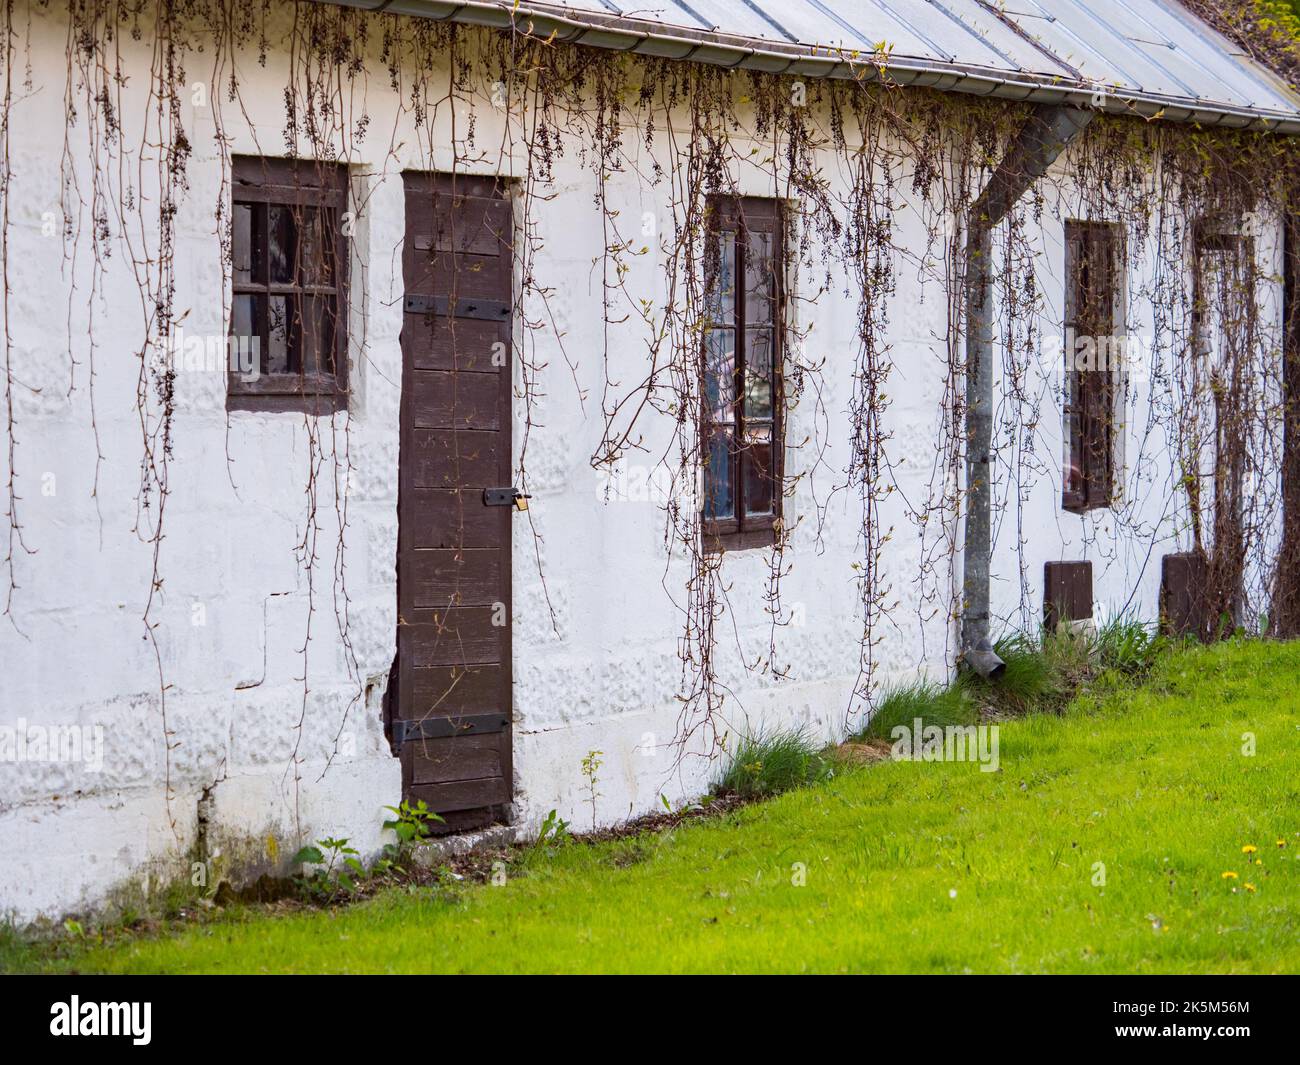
[
  {"x": 1151, "y": 518},
  {"x": 242, "y": 726}
]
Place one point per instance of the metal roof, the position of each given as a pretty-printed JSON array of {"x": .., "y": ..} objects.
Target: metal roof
[{"x": 1144, "y": 57}]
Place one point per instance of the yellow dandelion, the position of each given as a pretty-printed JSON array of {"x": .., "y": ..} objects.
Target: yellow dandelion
[
  {"x": 1229, "y": 875},
  {"x": 1259, "y": 861},
  {"x": 1281, "y": 843},
  {"x": 1249, "y": 887},
  {"x": 1249, "y": 848}
]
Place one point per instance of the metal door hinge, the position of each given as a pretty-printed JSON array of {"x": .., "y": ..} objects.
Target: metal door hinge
[
  {"x": 439, "y": 728},
  {"x": 462, "y": 307}
]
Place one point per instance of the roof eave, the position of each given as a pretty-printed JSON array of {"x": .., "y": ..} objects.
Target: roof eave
[{"x": 643, "y": 38}]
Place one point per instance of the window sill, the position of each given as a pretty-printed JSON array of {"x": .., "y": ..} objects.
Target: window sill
[
  {"x": 1082, "y": 509},
  {"x": 271, "y": 399},
  {"x": 716, "y": 543}
]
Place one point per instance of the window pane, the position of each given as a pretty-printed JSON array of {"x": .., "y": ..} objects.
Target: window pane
[
  {"x": 721, "y": 298},
  {"x": 245, "y": 331},
  {"x": 316, "y": 246},
  {"x": 316, "y": 334},
  {"x": 719, "y": 496},
  {"x": 756, "y": 462},
  {"x": 1220, "y": 312},
  {"x": 1074, "y": 454},
  {"x": 720, "y": 373},
  {"x": 760, "y": 292},
  {"x": 242, "y": 236},
  {"x": 758, "y": 373},
  {"x": 281, "y": 245},
  {"x": 279, "y": 326},
  {"x": 1097, "y": 436}
]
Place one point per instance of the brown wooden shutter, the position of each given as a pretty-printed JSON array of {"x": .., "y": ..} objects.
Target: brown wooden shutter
[
  {"x": 1183, "y": 595},
  {"x": 1067, "y": 593}
]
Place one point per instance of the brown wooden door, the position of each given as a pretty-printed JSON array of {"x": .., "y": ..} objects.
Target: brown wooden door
[{"x": 451, "y": 716}]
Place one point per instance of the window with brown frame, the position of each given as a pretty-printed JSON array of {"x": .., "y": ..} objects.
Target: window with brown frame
[
  {"x": 1093, "y": 355},
  {"x": 288, "y": 324},
  {"x": 743, "y": 341},
  {"x": 1223, "y": 332}
]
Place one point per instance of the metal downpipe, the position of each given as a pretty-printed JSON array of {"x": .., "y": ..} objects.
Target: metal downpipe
[{"x": 1039, "y": 143}]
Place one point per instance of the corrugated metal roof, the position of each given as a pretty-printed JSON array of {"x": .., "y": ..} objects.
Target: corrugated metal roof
[{"x": 1144, "y": 56}]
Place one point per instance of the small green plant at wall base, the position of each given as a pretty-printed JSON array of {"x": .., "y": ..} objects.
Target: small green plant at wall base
[
  {"x": 686, "y": 807},
  {"x": 342, "y": 868},
  {"x": 554, "y": 832},
  {"x": 590, "y": 768},
  {"x": 412, "y": 822}
]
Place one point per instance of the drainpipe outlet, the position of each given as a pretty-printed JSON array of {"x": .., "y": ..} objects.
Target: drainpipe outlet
[{"x": 984, "y": 661}]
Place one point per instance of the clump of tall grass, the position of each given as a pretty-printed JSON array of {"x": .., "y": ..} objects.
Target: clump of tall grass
[
  {"x": 769, "y": 763},
  {"x": 1128, "y": 646},
  {"x": 1042, "y": 672},
  {"x": 1046, "y": 670},
  {"x": 934, "y": 704}
]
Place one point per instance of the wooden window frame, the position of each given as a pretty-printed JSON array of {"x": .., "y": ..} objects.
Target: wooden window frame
[
  {"x": 1213, "y": 235},
  {"x": 743, "y": 216},
  {"x": 1209, "y": 238},
  {"x": 1091, "y": 396},
  {"x": 259, "y": 182}
]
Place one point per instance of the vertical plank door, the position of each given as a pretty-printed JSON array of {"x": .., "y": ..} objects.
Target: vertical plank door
[{"x": 451, "y": 715}]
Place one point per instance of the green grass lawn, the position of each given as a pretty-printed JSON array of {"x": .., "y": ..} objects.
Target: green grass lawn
[{"x": 910, "y": 866}]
